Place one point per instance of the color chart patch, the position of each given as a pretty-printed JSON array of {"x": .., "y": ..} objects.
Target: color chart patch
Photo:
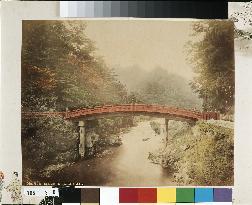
[
  {"x": 145, "y": 9},
  {"x": 174, "y": 195},
  {"x": 77, "y": 196}
]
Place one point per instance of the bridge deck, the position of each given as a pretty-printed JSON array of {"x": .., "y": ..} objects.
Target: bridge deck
[{"x": 153, "y": 110}]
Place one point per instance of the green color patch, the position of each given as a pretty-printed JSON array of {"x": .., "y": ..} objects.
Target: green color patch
[{"x": 185, "y": 195}]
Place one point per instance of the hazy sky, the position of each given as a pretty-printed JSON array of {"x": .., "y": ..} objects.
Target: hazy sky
[{"x": 146, "y": 43}]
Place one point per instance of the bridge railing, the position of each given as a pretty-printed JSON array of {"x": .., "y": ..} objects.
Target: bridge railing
[
  {"x": 135, "y": 108},
  {"x": 160, "y": 109},
  {"x": 210, "y": 115}
]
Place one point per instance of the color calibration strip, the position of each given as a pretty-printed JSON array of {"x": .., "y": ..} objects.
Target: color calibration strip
[
  {"x": 145, "y": 9},
  {"x": 116, "y": 196},
  {"x": 174, "y": 195}
]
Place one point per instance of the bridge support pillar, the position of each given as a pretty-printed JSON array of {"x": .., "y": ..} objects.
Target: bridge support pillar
[
  {"x": 166, "y": 130},
  {"x": 82, "y": 139}
]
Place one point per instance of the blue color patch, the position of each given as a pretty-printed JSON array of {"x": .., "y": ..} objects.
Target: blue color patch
[{"x": 204, "y": 195}]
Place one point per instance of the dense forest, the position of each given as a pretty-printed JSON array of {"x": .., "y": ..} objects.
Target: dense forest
[
  {"x": 60, "y": 71},
  {"x": 212, "y": 54}
]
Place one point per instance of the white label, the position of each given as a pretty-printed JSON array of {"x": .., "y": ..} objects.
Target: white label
[{"x": 40, "y": 191}]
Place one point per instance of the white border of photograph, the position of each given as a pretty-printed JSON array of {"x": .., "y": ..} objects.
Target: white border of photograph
[{"x": 10, "y": 137}]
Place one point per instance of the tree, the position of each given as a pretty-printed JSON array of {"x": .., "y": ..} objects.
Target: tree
[
  {"x": 211, "y": 52},
  {"x": 60, "y": 68}
]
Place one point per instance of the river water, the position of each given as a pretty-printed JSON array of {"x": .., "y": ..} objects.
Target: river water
[{"x": 126, "y": 165}]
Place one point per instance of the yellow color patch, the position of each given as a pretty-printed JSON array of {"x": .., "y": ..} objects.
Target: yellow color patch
[{"x": 166, "y": 195}]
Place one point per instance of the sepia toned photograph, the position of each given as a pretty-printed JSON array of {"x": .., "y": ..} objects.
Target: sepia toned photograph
[{"x": 127, "y": 102}]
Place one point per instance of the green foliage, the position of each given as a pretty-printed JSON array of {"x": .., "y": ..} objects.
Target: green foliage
[
  {"x": 212, "y": 55},
  {"x": 60, "y": 69},
  {"x": 49, "y": 141},
  {"x": 201, "y": 156},
  {"x": 210, "y": 160}
]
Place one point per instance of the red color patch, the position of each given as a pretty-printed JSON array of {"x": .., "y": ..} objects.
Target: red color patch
[
  {"x": 128, "y": 195},
  {"x": 147, "y": 195}
]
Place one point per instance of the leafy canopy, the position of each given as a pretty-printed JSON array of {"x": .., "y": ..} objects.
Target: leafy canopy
[
  {"x": 60, "y": 68},
  {"x": 211, "y": 52}
]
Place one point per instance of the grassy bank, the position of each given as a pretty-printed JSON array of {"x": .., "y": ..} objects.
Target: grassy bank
[{"x": 202, "y": 155}]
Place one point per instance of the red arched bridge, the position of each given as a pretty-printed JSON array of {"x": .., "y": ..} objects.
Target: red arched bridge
[
  {"x": 126, "y": 109},
  {"x": 168, "y": 113}
]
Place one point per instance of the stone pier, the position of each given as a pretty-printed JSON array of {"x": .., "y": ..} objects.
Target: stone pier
[
  {"x": 82, "y": 133},
  {"x": 166, "y": 130}
]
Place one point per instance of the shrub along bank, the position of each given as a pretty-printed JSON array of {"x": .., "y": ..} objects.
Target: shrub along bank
[
  {"x": 51, "y": 143},
  {"x": 202, "y": 155}
]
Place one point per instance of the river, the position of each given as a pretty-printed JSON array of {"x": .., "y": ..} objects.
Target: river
[{"x": 125, "y": 165}]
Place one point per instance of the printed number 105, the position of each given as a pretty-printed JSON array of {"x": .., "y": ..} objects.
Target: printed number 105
[{"x": 31, "y": 192}]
